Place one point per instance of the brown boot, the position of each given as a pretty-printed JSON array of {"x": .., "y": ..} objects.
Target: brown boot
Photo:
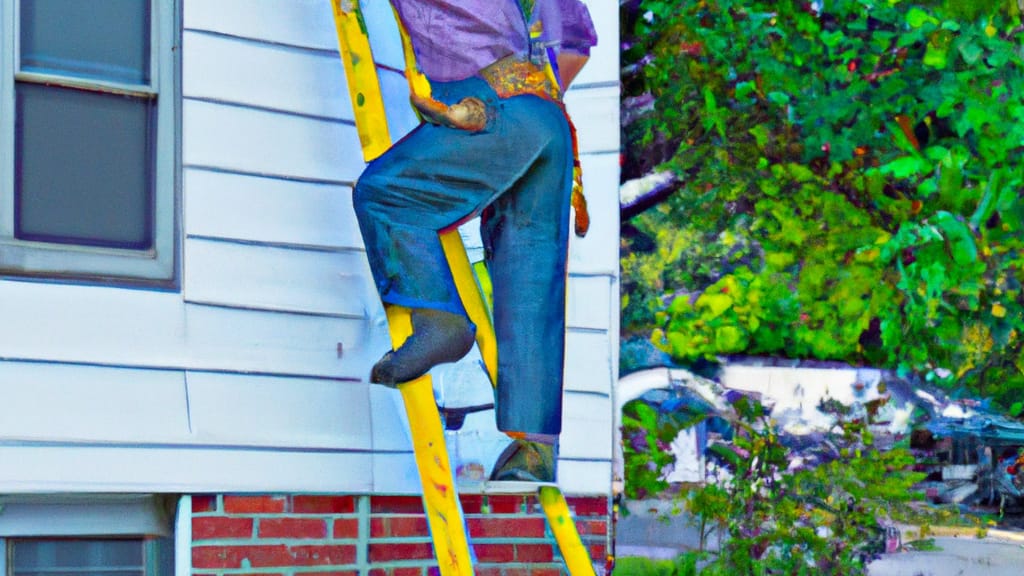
[
  {"x": 525, "y": 461},
  {"x": 437, "y": 337}
]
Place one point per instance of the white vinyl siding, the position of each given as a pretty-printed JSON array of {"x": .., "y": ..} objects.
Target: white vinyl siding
[{"x": 252, "y": 376}]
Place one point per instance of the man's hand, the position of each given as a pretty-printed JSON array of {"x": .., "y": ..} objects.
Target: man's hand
[{"x": 468, "y": 114}]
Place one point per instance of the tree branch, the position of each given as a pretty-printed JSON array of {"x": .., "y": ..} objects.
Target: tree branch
[{"x": 640, "y": 194}]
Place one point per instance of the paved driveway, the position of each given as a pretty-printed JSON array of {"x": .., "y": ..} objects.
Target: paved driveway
[
  {"x": 646, "y": 533},
  {"x": 958, "y": 557}
]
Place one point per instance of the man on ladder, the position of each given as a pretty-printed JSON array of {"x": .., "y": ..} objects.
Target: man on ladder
[{"x": 496, "y": 143}]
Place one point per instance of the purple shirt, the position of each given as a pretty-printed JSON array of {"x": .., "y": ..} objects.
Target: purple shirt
[{"x": 455, "y": 39}]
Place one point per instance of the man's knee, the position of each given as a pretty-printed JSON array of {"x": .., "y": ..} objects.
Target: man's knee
[{"x": 366, "y": 193}]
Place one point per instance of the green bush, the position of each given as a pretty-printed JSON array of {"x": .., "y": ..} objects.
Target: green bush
[
  {"x": 774, "y": 517},
  {"x": 850, "y": 184}
]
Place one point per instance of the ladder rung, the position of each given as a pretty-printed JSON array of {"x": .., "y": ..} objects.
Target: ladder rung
[{"x": 504, "y": 487}]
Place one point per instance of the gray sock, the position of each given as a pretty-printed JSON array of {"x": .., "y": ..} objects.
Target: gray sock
[{"x": 437, "y": 337}]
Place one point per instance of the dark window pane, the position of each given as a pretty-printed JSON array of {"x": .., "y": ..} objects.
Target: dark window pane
[
  {"x": 78, "y": 557},
  {"x": 106, "y": 39},
  {"x": 83, "y": 167}
]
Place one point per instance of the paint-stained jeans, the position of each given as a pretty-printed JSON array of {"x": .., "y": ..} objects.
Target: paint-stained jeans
[{"x": 517, "y": 173}]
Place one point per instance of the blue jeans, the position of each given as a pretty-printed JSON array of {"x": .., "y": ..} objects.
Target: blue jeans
[{"x": 517, "y": 175}]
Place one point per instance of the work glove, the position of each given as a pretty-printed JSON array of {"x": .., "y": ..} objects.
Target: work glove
[{"x": 468, "y": 114}]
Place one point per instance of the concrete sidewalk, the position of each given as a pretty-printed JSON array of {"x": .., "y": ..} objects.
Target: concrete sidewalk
[
  {"x": 966, "y": 556},
  {"x": 652, "y": 531}
]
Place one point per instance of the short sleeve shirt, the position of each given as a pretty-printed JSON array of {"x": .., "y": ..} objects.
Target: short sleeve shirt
[{"x": 455, "y": 39}]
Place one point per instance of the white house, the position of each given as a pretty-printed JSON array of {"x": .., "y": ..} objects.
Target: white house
[{"x": 185, "y": 308}]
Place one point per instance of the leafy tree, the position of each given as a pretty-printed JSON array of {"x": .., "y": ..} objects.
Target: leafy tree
[
  {"x": 774, "y": 516},
  {"x": 846, "y": 183}
]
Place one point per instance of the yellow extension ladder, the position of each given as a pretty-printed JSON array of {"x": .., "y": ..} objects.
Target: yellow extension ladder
[{"x": 440, "y": 498}]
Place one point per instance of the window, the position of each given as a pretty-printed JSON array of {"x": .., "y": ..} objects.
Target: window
[
  {"x": 87, "y": 557},
  {"x": 98, "y": 535},
  {"x": 88, "y": 153}
]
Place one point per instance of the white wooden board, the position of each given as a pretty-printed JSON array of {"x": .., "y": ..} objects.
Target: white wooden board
[
  {"x": 53, "y": 402},
  {"x": 387, "y": 419},
  {"x": 252, "y": 208},
  {"x": 242, "y": 410},
  {"x": 272, "y": 278},
  {"x": 305, "y": 23},
  {"x": 395, "y": 473},
  {"x": 588, "y": 362},
  {"x": 76, "y": 516},
  {"x": 259, "y": 142},
  {"x": 383, "y": 33},
  {"x": 264, "y": 75},
  {"x": 586, "y": 426},
  {"x": 585, "y": 478},
  {"x": 90, "y": 324},
  {"x": 136, "y": 328},
  {"x": 598, "y": 251},
  {"x": 274, "y": 343},
  {"x": 595, "y": 111},
  {"x": 95, "y": 469},
  {"x": 590, "y": 305},
  {"x": 401, "y": 117}
]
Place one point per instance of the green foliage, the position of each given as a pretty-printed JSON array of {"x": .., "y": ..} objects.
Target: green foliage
[
  {"x": 772, "y": 517},
  {"x": 646, "y": 435},
  {"x": 851, "y": 184},
  {"x": 635, "y": 566}
]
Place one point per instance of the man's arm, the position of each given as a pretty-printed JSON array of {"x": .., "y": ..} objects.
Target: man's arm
[
  {"x": 576, "y": 35},
  {"x": 569, "y": 65}
]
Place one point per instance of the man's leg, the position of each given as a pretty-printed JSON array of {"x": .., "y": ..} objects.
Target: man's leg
[
  {"x": 429, "y": 181},
  {"x": 525, "y": 234}
]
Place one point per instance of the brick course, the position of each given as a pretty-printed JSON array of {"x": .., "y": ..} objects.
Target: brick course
[{"x": 377, "y": 535}]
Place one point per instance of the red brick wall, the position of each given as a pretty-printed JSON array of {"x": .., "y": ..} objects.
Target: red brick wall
[{"x": 376, "y": 535}]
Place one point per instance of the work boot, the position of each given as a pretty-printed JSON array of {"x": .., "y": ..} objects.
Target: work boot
[
  {"x": 526, "y": 461},
  {"x": 437, "y": 337}
]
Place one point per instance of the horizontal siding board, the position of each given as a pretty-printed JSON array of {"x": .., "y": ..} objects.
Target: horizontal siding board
[
  {"x": 586, "y": 426},
  {"x": 387, "y": 420},
  {"x": 47, "y": 402},
  {"x": 98, "y": 469},
  {"x": 136, "y": 328},
  {"x": 90, "y": 324},
  {"x": 401, "y": 116},
  {"x": 238, "y": 409},
  {"x": 264, "y": 75},
  {"x": 306, "y": 23},
  {"x": 258, "y": 209},
  {"x": 74, "y": 517},
  {"x": 285, "y": 279},
  {"x": 585, "y": 478},
  {"x": 589, "y": 303},
  {"x": 254, "y": 141},
  {"x": 598, "y": 251},
  {"x": 588, "y": 362},
  {"x": 595, "y": 111},
  {"x": 383, "y": 33},
  {"x": 274, "y": 343},
  {"x": 395, "y": 474}
]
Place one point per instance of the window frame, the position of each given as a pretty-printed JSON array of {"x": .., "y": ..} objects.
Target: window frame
[
  {"x": 155, "y": 266},
  {"x": 161, "y": 522}
]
